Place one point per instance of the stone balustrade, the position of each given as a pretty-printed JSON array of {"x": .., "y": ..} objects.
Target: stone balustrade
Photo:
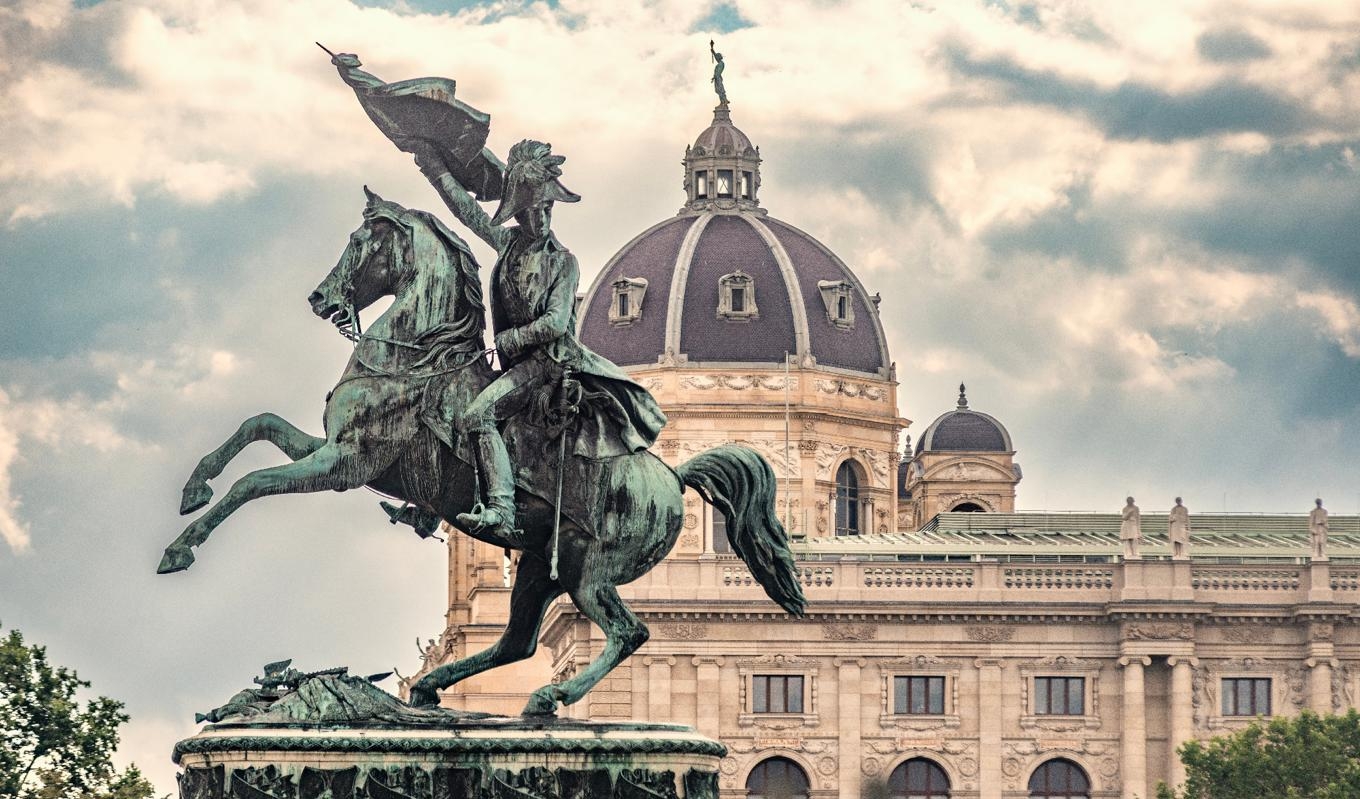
[{"x": 725, "y": 577}]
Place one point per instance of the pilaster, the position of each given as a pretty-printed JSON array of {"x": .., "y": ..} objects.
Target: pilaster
[{"x": 1133, "y": 743}]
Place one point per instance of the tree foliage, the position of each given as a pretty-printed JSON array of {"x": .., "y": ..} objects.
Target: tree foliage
[
  {"x": 1305, "y": 757},
  {"x": 51, "y": 745}
]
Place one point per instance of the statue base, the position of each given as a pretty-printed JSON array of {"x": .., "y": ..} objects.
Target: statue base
[{"x": 484, "y": 757}]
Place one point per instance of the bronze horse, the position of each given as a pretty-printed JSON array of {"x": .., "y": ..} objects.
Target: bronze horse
[{"x": 383, "y": 423}]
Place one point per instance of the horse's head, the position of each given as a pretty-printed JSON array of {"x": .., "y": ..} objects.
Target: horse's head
[{"x": 371, "y": 266}]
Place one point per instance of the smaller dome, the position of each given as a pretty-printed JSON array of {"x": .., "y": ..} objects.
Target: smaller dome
[
  {"x": 722, "y": 137},
  {"x": 964, "y": 430}
]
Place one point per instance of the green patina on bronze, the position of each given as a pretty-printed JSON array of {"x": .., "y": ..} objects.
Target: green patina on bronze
[
  {"x": 451, "y": 782},
  {"x": 421, "y": 415}
]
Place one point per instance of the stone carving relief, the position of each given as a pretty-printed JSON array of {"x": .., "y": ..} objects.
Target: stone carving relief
[
  {"x": 1249, "y": 634},
  {"x": 989, "y": 633},
  {"x": 1021, "y": 757},
  {"x": 828, "y": 455},
  {"x": 653, "y": 384},
  {"x": 851, "y": 388},
  {"x": 826, "y": 766},
  {"x": 822, "y": 506},
  {"x": 849, "y": 632},
  {"x": 691, "y": 521},
  {"x": 689, "y": 541},
  {"x": 870, "y": 766},
  {"x": 739, "y": 382},
  {"x": 1321, "y": 631},
  {"x": 1342, "y": 694},
  {"x": 684, "y": 631},
  {"x": 772, "y": 450},
  {"x": 1144, "y": 631},
  {"x": 1288, "y": 687},
  {"x": 989, "y": 502}
]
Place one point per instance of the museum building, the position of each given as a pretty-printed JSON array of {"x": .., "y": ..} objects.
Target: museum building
[{"x": 953, "y": 647}]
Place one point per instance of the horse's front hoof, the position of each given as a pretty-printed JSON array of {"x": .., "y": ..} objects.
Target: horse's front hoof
[
  {"x": 423, "y": 696},
  {"x": 541, "y": 703},
  {"x": 196, "y": 495},
  {"x": 175, "y": 559}
]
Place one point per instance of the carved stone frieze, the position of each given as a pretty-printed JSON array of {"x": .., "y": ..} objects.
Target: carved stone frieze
[
  {"x": 684, "y": 631},
  {"x": 989, "y": 633},
  {"x": 762, "y": 382},
  {"x": 850, "y": 388},
  {"x": 849, "y": 632},
  {"x": 1245, "y": 634},
  {"x": 1159, "y": 631}
]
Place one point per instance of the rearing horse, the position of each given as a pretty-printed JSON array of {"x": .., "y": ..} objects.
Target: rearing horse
[{"x": 383, "y": 429}]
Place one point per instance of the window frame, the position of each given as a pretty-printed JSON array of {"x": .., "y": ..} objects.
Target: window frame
[
  {"x": 928, "y": 688},
  {"x": 1061, "y": 666},
  {"x": 731, "y": 176},
  {"x": 931, "y": 790},
  {"x": 634, "y": 289},
  {"x": 1066, "y": 790},
  {"x": 838, "y": 296},
  {"x": 778, "y": 665},
  {"x": 1259, "y": 685},
  {"x": 788, "y": 687},
  {"x": 850, "y": 499},
  {"x": 763, "y": 765},
  {"x": 747, "y": 284},
  {"x": 1048, "y": 702},
  {"x": 928, "y": 666}
]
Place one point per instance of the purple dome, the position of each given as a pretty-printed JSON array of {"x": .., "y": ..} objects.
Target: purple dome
[{"x": 797, "y": 297}]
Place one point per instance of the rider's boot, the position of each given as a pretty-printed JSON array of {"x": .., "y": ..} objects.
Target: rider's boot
[
  {"x": 425, "y": 523},
  {"x": 498, "y": 514}
]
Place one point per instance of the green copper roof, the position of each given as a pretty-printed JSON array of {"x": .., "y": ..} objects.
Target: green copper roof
[{"x": 1012, "y": 535}]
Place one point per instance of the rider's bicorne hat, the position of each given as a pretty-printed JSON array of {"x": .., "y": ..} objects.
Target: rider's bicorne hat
[{"x": 531, "y": 180}]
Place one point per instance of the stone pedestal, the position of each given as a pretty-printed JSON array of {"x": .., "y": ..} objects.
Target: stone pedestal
[{"x": 485, "y": 758}]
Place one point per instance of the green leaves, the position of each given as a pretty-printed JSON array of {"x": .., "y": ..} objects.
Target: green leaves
[
  {"x": 52, "y": 746},
  {"x": 1305, "y": 757}
]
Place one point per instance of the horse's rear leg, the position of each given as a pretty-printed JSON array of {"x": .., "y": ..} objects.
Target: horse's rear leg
[
  {"x": 529, "y": 600},
  {"x": 264, "y": 427},
  {"x": 333, "y": 467},
  {"x": 623, "y": 633}
]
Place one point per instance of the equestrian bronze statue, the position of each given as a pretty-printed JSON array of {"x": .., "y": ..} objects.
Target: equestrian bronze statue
[{"x": 420, "y": 414}]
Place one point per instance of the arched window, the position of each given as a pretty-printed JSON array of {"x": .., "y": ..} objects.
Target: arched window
[
  {"x": 1059, "y": 779},
  {"x": 968, "y": 507},
  {"x": 777, "y": 778},
  {"x": 847, "y": 500},
  {"x": 918, "y": 778}
]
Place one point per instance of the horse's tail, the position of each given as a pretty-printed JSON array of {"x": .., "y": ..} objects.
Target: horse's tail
[{"x": 742, "y": 485}]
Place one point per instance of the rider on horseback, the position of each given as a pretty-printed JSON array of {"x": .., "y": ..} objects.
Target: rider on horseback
[{"x": 533, "y": 313}]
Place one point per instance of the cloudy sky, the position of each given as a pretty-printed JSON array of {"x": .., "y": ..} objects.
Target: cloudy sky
[{"x": 1133, "y": 229}]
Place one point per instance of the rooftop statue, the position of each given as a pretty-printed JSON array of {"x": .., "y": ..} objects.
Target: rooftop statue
[
  {"x": 1317, "y": 530},
  {"x": 1131, "y": 529},
  {"x": 717, "y": 73},
  {"x": 420, "y": 414},
  {"x": 1178, "y": 530}
]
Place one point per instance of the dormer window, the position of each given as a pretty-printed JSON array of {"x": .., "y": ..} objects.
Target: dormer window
[
  {"x": 626, "y": 307},
  {"x": 737, "y": 297},
  {"x": 724, "y": 183},
  {"x": 839, "y": 298}
]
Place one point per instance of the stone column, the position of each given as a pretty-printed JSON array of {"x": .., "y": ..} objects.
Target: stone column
[
  {"x": 848, "y": 695},
  {"x": 659, "y": 686},
  {"x": 707, "y": 691},
  {"x": 989, "y": 705},
  {"x": 1182, "y": 713},
  {"x": 1319, "y": 685},
  {"x": 1133, "y": 744}
]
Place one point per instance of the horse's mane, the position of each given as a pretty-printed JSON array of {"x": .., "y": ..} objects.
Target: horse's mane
[{"x": 450, "y": 339}]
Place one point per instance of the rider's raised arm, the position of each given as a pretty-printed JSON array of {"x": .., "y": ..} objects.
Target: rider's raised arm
[
  {"x": 555, "y": 321},
  {"x": 461, "y": 203}
]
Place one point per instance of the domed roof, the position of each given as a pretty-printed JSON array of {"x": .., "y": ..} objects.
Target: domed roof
[
  {"x": 722, "y": 137},
  {"x": 964, "y": 430},
  {"x": 794, "y": 287},
  {"x": 724, "y": 282}
]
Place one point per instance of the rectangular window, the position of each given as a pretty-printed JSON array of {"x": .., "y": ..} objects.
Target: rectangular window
[
  {"x": 623, "y": 304},
  {"x": 1059, "y": 696},
  {"x": 1246, "y": 696},
  {"x": 700, "y": 184},
  {"x": 777, "y": 693},
  {"x": 738, "y": 300},
  {"x": 746, "y": 185},
  {"x": 720, "y": 543},
  {"x": 842, "y": 307},
  {"x": 724, "y": 183},
  {"x": 918, "y": 695}
]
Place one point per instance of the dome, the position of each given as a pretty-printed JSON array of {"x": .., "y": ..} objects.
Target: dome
[
  {"x": 722, "y": 137},
  {"x": 964, "y": 430},
  {"x": 723, "y": 282}
]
